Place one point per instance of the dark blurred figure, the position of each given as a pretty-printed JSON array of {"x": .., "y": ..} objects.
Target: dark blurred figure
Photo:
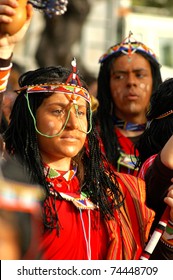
[
  {"x": 20, "y": 213},
  {"x": 10, "y": 95},
  {"x": 60, "y": 33}
]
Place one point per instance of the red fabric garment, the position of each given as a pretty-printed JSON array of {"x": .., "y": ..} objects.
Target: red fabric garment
[
  {"x": 71, "y": 244},
  {"x": 135, "y": 218},
  {"x": 122, "y": 238},
  {"x": 125, "y": 143},
  {"x": 127, "y": 147},
  {"x": 145, "y": 166},
  {"x": 125, "y": 164}
]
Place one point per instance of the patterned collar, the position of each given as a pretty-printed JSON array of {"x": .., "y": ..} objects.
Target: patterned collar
[
  {"x": 66, "y": 185},
  {"x": 61, "y": 181},
  {"x": 53, "y": 173},
  {"x": 128, "y": 125}
]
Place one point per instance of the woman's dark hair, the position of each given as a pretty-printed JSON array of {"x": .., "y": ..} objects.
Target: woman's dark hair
[
  {"x": 21, "y": 141},
  {"x": 106, "y": 103},
  {"x": 158, "y": 131}
]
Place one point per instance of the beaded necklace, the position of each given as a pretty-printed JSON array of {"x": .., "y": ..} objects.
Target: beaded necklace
[
  {"x": 66, "y": 185},
  {"x": 128, "y": 125},
  {"x": 62, "y": 183}
]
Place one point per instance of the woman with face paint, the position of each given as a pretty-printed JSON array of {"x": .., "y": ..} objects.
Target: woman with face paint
[
  {"x": 129, "y": 74},
  {"x": 89, "y": 212}
]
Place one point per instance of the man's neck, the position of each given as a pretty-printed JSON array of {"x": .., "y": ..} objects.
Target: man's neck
[
  {"x": 129, "y": 126},
  {"x": 129, "y": 133}
]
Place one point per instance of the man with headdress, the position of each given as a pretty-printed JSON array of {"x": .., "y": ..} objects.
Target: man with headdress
[{"x": 129, "y": 74}]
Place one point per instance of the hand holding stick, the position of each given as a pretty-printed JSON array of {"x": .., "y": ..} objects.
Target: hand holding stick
[{"x": 155, "y": 237}]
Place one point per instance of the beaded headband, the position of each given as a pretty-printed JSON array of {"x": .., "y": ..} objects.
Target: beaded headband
[
  {"x": 128, "y": 46},
  {"x": 72, "y": 86},
  {"x": 15, "y": 196},
  {"x": 60, "y": 87}
]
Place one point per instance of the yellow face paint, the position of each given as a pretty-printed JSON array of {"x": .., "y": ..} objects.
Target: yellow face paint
[{"x": 142, "y": 86}]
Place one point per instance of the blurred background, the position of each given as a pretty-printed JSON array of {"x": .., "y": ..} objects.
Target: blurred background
[{"x": 89, "y": 27}]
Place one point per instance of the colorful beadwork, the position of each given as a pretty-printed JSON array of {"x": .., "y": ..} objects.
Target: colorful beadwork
[
  {"x": 50, "y": 7},
  {"x": 59, "y": 87},
  {"x": 165, "y": 115},
  {"x": 167, "y": 237},
  {"x": 19, "y": 196},
  {"x": 58, "y": 182},
  {"x": 79, "y": 200},
  {"x": 4, "y": 75},
  {"x": 128, "y": 46},
  {"x": 129, "y": 126}
]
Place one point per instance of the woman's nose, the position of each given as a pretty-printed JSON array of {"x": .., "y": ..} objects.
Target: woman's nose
[{"x": 73, "y": 120}]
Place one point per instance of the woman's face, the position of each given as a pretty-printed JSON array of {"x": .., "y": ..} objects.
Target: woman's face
[{"x": 51, "y": 117}]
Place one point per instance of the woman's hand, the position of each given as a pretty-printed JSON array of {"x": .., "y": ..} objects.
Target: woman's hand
[{"x": 8, "y": 42}]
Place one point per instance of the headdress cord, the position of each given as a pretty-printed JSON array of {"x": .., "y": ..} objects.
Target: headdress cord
[
  {"x": 66, "y": 121},
  {"x": 88, "y": 245}
]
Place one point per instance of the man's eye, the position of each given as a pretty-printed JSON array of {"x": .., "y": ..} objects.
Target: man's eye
[
  {"x": 140, "y": 75},
  {"x": 118, "y": 77}
]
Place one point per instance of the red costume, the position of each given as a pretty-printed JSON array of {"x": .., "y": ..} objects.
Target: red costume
[
  {"x": 84, "y": 234},
  {"x": 127, "y": 160}
]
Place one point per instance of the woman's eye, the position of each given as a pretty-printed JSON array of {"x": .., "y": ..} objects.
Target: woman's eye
[
  {"x": 81, "y": 113},
  {"x": 59, "y": 112}
]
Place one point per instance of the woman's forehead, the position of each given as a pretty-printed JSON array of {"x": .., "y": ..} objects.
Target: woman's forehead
[{"x": 60, "y": 97}]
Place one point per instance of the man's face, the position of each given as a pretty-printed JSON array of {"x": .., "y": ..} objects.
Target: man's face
[{"x": 131, "y": 87}]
